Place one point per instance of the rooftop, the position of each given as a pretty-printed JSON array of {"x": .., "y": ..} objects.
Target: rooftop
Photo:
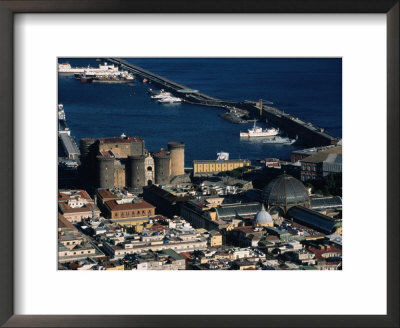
[
  {"x": 65, "y": 209},
  {"x": 105, "y": 193},
  {"x": 323, "y": 155},
  {"x": 119, "y": 140},
  {"x": 63, "y": 223},
  {"x": 65, "y": 194},
  {"x": 161, "y": 154},
  {"x": 114, "y": 206}
]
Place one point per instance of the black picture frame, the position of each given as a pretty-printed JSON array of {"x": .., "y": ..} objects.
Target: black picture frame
[{"x": 10, "y": 7}]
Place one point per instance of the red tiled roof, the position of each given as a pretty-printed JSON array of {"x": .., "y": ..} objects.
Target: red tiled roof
[
  {"x": 105, "y": 193},
  {"x": 62, "y": 196},
  {"x": 333, "y": 263},
  {"x": 186, "y": 255},
  {"x": 65, "y": 209},
  {"x": 64, "y": 223},
  {"x": 107, "y": 154},
  {"x": 114, "y": 206},
  {"x": 319, "y": 252},
  {"x": 245, "y": 229},
  {"x": 158, "y": 227}
]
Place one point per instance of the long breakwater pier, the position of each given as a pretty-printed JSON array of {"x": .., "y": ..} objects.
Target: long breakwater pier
[{"x": 308, "y": 133}]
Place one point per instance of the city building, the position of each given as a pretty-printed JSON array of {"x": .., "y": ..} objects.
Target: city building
[
  {"x": 72, "y": 245},
  {"x": 198, "y": 213},
  {"x": 204, "y": 168},
  {"x": 298, "y": 155},
  {"x": 120, "y": 204},
  {"x": 215, "y": 238},
  {"x": 166, "y": 259},
  {"x": 315, "y": 220},
  {"x": 326, "y": 203},
  {"x": 76, "y": 205},
  {"x": 167, "y": 203},
  {"x": 128, "y": 208},
  {"x": 321, "y": 164}
]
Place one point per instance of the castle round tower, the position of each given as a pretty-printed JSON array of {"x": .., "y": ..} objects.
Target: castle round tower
[
  {"x": 162, "y": 167},
  {"x": 135, "y": 172},
  {"x": 105, "y": 172},
  {"x": 177, "y": 154}
]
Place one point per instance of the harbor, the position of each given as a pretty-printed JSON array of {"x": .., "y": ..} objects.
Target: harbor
[
  {"x": 306, "y": 132},
  {"x": 113, "y": 109}
]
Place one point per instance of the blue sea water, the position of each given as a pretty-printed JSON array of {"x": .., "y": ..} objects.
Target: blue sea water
[{"x": 310, "y": 88}]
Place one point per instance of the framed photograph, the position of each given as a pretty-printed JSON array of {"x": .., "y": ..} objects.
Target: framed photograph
[{"x": 214, "y": 164}]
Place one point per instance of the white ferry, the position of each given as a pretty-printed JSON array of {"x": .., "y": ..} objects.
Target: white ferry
[{"x": 257, "y": 132}]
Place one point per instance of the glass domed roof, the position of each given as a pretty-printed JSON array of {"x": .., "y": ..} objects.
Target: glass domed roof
[{"x": 285, "y": 191}]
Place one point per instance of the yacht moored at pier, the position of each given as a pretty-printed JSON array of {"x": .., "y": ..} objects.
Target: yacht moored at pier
[{"x": 169, "y": 100}]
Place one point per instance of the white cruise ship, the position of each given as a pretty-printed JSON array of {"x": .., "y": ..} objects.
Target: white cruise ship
[
  {"x": 102, "y": 69},
  {"x": 257, "y": 132}
]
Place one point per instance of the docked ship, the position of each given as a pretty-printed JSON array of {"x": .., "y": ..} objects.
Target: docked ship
[
  {"x": 102, "y": 69},
  {"x": 122, "y": 77},
  {"x": 280, "y": 140},
  {"x": 257, "y": 132},
  {"x": 233, "y": 117},
  {"x": 113, "y": 79}
]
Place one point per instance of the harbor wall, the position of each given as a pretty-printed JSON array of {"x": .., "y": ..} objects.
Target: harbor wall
[{"x": 306, "y": 132}]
